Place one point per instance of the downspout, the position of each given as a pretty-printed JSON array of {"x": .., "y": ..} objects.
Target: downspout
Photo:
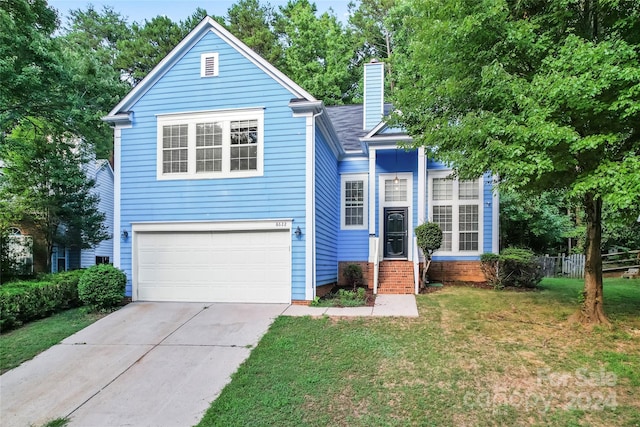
[{"x": 312, "y": 220}]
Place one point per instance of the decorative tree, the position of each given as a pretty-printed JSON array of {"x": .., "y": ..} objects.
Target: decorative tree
[
  {"x": 429, "y": 235},
  {"x": 43, "y": 181},
  {"x": 542, "y": 94}
]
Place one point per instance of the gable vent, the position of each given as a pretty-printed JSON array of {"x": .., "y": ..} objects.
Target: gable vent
[{"x": 209, "y": 65}]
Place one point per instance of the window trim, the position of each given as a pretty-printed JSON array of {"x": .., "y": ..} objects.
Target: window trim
[
  {"x": 455, "y": 203},
  {"x": 348, "y": 177},
  {"x": 203, "y": 64},
  {"x": 223, "y": 116}
]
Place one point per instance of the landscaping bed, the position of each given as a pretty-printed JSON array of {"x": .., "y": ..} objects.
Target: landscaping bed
[{"x": 347, "y": 297}]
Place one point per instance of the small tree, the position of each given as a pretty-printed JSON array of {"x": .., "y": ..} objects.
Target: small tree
[
  {"x": 45, "y": 184},
  {"x": 353, "y": 275},
  {"x": 429, "y": 236}
]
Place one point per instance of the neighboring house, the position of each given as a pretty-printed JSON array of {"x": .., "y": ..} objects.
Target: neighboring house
[
  {"x": 19, "y": 252},
  {"x": 234, "y": 184},
  {"x": 66, "y": 258}
]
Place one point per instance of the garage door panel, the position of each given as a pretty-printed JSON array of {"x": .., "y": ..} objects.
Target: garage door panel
[{"x": 251, "y": 266}]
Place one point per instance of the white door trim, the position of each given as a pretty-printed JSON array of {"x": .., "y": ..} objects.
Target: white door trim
[{"x": 396, "y": 204}]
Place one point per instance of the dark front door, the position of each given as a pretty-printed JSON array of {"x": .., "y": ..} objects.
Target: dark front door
[{"x": 395, "y": 232}]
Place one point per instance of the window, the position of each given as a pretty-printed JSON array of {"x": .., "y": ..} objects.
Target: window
[
  {"x": 244, "y": 145},
  {"x": 209, "y": 65},
  {"x": 443, "y": 217},
  {"x": 174, "y": 149},
  {"x": 455, "y": 206},
  {"x": 442, "y": 188},
  {"x": 210, "y": 145},
  {"x": 354, "y": 196},
  {"x": 395, "y": 192},
  {"x": 468, "y": 227},
  {"x": 102, "y": 260}
]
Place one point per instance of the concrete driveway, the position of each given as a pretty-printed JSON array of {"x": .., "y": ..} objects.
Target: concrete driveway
[{"x": 148, "y": 364}]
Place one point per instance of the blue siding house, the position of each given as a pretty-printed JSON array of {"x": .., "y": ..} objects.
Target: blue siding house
[
  {"x": 234, "y": 184},
  {"x": 65, "y": 258}
]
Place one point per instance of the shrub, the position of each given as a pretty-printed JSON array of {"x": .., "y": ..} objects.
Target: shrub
[
  {"x": 520, "y": 268},
  {"x": 513, "y": 267},
  {"x": 342, "y": 298},
  {"x": 429, "y": 238},
  {"x": 102, "y": 287},
  {"x": 22, "y": 302},
  {"x": 353, "y": 275},
  {"x": 353, "y": 298},
  {"x": 490, "y": 266}
]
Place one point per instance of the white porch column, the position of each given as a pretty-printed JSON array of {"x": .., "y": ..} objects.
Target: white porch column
[
  {"x": 117, "y": 170},
  {"x": 422, "y": 181},
  {"x": 372, "y": 191}
]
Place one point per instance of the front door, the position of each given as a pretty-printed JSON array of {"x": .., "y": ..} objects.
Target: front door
[{"x": 395, "y": 232}]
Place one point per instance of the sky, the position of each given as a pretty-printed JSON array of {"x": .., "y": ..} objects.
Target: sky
[{"x": 177, "y": 10}]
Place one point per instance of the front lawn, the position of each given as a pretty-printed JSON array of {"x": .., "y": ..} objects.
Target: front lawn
[
  {"x": 26, "y": 342},
  {"x": 473, "y": 357}
]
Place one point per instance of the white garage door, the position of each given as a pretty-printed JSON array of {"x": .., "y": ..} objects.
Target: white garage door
[{"x": 214, "y": 266}]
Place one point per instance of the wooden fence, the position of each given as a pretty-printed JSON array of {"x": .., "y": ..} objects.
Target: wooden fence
[
  {"x": 563, "y": 265},
  {"x": 573, "y": 265}
]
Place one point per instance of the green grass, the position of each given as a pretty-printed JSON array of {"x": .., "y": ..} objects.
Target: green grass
[
  {"x": 473, "y": 357},
  {"x": 58, "y": 422},
  {"x": 25, "y": 343}
]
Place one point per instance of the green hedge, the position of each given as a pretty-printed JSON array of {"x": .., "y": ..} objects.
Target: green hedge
[
  {"x": 514, "y": 267},
  {"x": 102, "y": 287},
  {"x": 22, "y": 302}
]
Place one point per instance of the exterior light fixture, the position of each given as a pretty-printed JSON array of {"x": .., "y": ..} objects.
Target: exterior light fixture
[
  {"x": 298, "y": 232},
  {"x": 125, "y": 234}
]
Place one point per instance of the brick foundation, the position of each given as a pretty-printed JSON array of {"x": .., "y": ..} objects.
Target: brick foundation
[
  {"x": 366, "y": 268},
  {"x": 455, "y": 271},
  {"x": 300, "y": 302}
]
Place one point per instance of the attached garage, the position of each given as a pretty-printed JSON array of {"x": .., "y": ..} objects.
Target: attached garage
[{"x": 213, "y": 262}]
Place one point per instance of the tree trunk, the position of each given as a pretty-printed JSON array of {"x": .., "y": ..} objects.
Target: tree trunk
[
  {"x": 425, "y": 267},
  {"x": 592, "y": 312},
  {"x": 387, "y": 38}
]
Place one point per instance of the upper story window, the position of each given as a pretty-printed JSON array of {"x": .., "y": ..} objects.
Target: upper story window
[
  {"x": 456, "y": 207},
  {"x": 213, "y": 144},
  {"x": 354, "y": 197},
  {"x": 209, "y": 64}
]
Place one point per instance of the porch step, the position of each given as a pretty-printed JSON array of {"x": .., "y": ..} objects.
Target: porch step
[{"x": 396, "y": 277}]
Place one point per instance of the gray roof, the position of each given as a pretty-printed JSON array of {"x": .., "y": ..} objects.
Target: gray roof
[{"x": 347, "y": 121}]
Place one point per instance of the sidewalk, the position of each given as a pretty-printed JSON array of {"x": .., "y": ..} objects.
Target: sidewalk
[{"x": 386, "y": 305}]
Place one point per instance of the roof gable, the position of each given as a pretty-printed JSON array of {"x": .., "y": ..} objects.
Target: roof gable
[{"x": 206, "y": 26}]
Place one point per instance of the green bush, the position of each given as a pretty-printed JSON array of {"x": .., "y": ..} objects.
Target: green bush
[
  {"x": 429, "y": 239},
  {"x": 514, "y": 267},
  {"x": 520, "y": 268},
  {"x": 353, "y": 275},
  {"x": 22, "y": 302},
  {"x": 490, "y": 266},
  {"x": 102, "y": 287}
]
